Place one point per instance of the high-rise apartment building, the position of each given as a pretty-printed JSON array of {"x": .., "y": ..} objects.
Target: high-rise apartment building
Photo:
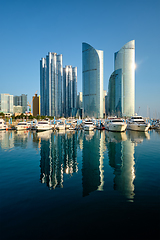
[
  {"x": 21, "y": 101},
  {"x": 69, "y": 91},
  {"x": 92, "y": 81},
  {"x": 6, "y": 103},
  {"x": 51, "y": 85},
  {"x": 36, "y": 105},
  {"x": 121, "y": 89}
]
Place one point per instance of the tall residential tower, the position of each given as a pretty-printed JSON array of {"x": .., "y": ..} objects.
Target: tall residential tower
[
  {"x": 6, "y": 103},
  {"x": 51, "y": 85},
  {"x": 69, "y": 91}
]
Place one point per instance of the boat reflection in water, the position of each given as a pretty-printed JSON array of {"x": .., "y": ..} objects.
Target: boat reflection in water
[
  {"x": 121, "y": 149},
  {"x": 58, "y": 156}
]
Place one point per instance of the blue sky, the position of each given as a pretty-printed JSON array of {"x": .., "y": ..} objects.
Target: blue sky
[{"x": 31, "y": 29}]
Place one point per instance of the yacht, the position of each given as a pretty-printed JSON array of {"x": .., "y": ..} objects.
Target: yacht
[
  {"x": 157, "y": 125},
  {"x": 116, "y": 125},
  {"x": 71, "y": 127},
  {"x": 22, "y": 126},
  {"x": 43, "y": 126},
  {"x": 67, "y": 125},
  {"x": 60, "y": 126},
  {"x": 137, "y": 123},
  {"x": 33, "y": 124},
  {"x": 88, "y": 125},
  {"x": 3, "y": 125}
]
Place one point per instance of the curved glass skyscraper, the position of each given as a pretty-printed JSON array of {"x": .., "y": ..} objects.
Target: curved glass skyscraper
[
  {"x": 92, "y": 81},
  {"x": 124, "y": 59},
  {"x": 115, "y": 93},
  {"x": 121, "y": 88}
]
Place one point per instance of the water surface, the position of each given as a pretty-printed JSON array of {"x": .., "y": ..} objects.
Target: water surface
[{"x": 79, "y": 185}]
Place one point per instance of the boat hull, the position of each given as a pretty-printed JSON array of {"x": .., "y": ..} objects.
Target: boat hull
[
  {"x": 61, "y": 128},
  {"x": 138, "y": 127},
  {"x": 43, "y": 128},
  {"x": 117, "y": 127},
  {"x": 22, "y": 128}
]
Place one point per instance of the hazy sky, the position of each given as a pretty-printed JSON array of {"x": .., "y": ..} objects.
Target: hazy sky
[{"x": 29, "y": 29}]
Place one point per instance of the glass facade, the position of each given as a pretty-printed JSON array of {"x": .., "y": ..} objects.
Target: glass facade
[
  {"x": 69, "y": 90},
  {"x": 43, "y": 86},
  {"x": 121, "y": 88},
  {"x": 115, "y": 94},
  {"x": 111, "y": 95},
  {"x": 92, "y": 81},
  {"x": 51, "y": 85},
  {"x": 21, "y": 101},
  {"x": 124, "y": 59},
  {"x": 6, "y": 103}
]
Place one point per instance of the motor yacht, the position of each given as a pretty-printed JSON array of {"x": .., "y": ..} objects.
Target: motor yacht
[
  {"x": 60, "y": 126},
  {"x": 116, "y": 125},
  {"x": 137, "y": 123},
  {"x": 71, "y": 128},
  {"x": 43, "y": 126},
  {"x": 88, "y": 125},
  {"x": 33, "y": 124},
  {"x": 22, "y": 126},
  {"x": 3, "y": 125},
  {"x": 157, "y": 125}
]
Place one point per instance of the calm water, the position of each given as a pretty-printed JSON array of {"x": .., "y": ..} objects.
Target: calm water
[{"x": 74, "y": 185}]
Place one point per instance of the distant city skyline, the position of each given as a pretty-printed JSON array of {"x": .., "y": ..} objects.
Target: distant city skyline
[{"x": 25, "y": 38}]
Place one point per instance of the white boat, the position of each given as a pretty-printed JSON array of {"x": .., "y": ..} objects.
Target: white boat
[
  {"x": 33, "y": 124},
  {"x": 3, "y": 125},
  {"x": 88, "y": 125},
  {"x": 67, "y": 125},
  {"x": 60, "y": 126},
  {"x": 116, "y": 125},
  {"x": 43, "y": 126},
  {"x": 157, "y": 125},
  {"x": 22, "y": 126},
  {"x": 137, "y": 123},
  {"x": 71, "y": 128}
]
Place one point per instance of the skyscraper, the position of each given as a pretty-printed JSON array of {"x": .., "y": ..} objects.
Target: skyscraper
[
  {"x": 21, "y": 101},
  {"x": 36, "y": 105},
  {"x": 51, "y": 85},
  {"x": 121, "y": 97},
  {"x": 92, "y": 81},
  {"x": 69, "y": 90},
  {"x": 6, "y": 103}
]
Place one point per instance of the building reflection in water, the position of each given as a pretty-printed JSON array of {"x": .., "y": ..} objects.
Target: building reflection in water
[
  {"x": 58, "y": 152},
  {"x": 11, "y": 139},
  {"x": 6, "y": 139},
  {"x": 58, "y": 156},
  {"x": 121, "y": 149},
  {"x": 92, "y": 169}
]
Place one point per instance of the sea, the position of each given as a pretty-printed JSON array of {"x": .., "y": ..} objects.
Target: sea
[{"x": 79, "y": 185}]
